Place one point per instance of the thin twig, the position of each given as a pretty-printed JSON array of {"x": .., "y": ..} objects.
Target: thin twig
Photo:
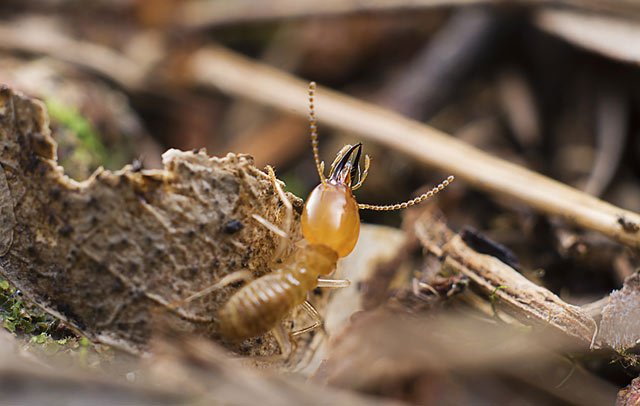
[
  {"x": 197, "y": 14},
  {"x": 611, "y": 137},
  {"x": 231, "y": 73},
  {"x": 616, "y": 38},
  {"x": 522, "y": 299}
]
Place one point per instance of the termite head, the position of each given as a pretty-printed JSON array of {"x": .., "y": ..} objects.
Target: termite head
[{"x": 330, "y": 216}]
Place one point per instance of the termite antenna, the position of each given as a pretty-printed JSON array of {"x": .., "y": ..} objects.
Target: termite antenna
[
  {"x": 411, "y": 202},
  {"x": 314, "y": 133}
]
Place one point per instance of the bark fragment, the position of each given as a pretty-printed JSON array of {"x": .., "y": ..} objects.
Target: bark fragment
[{"x": 7, "y": 218}]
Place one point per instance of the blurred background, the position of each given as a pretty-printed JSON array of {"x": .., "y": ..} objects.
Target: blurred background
[
  {"x": 552, "y": 86},
  {"x": 554, "y": 89}
]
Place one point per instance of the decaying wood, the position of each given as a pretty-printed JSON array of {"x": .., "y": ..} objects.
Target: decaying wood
[
  {"x": 521, "y": 298},
  {"x": 513, "y": 293},
  {"x": 231, "y": 73},
  {"x": 108, "y": 254}
]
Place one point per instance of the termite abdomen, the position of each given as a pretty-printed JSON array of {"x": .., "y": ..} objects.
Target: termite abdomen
[{"x": 263, "y": 303}]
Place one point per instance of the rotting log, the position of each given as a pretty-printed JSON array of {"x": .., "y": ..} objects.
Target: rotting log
[{"x": 106, "y": 254}]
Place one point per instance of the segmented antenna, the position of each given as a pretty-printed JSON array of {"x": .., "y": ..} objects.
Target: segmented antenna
[
  {"x": 411, "y": 202},
  {"x": 314, "y": 133}
]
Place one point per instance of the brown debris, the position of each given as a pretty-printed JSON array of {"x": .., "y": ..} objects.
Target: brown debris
[
  {"x": 375, "y": 287},
  {"x": 383, "y": 352},
  {"x": 425, "y": 333},
  {"x": 630, "y": 395},
  {"x": 516, "y": 295},
  {"x": 105, "y": 254},
  {"x": 198, "y": 367},
  {"x": 627, "y": 225}
]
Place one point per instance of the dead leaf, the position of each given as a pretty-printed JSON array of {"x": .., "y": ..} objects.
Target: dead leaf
[{"x": 620, "y": 326}]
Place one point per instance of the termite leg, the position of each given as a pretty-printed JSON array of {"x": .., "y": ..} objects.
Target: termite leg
[
  {"x": 227, "y": 280},
  {"x": 270, "y": 226},
  {"x": 333, "y": 283},
  {"x": 283, "y": 340},
  {"x": 288, "y": 215},
  {"x": 317, "y": 320}
]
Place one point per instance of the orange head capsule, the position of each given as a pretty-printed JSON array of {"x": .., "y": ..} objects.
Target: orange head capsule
[{"x": 330, "y": 216}]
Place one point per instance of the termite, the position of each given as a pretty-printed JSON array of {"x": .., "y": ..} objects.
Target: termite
[{"x": 330, "y": 227}]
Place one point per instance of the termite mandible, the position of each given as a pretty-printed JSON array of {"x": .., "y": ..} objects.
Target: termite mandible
[{"x": 330, "y": 227}]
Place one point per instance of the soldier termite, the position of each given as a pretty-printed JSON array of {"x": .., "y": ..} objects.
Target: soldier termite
[{"x": 330, "y": 227}]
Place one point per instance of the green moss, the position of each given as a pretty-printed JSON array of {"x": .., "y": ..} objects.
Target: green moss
[
  {"x": 35, "y": 327},
  {"x": 71, "y": 118},
  {"x": 18, "y": 318},
  {"x": 493, "y": 302},
  {"x": 294, "y": 184},
  {"x": 627, "y": 358},
  {"x": 79, "y": 143}
]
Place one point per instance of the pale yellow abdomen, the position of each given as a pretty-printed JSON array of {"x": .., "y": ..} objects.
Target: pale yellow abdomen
[{"x": 261, "y": 304}]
